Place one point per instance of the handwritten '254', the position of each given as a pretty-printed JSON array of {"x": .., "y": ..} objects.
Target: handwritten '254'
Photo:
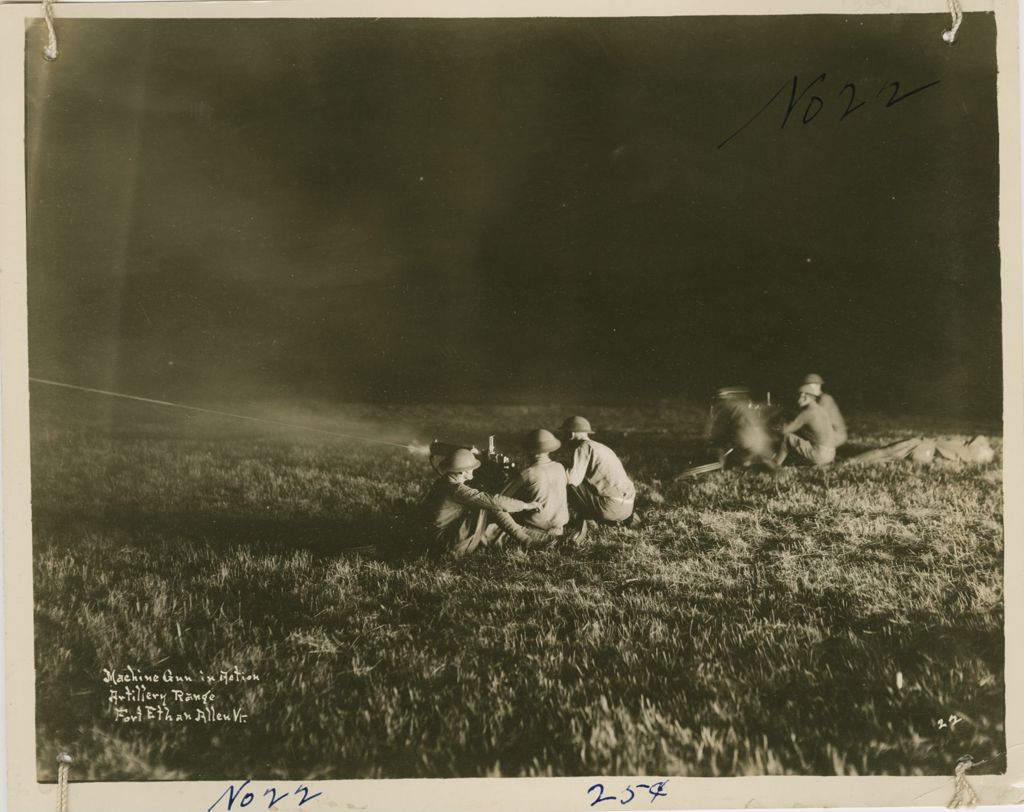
[
  {"x": 812, "y": 105},
  {"x": 655, "y": 790}
]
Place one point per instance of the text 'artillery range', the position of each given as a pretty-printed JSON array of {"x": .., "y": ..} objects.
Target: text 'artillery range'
[{"x": 199, "y": 697}]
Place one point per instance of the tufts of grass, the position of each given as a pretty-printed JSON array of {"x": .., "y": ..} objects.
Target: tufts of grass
[{"x": 814, "y": 622}]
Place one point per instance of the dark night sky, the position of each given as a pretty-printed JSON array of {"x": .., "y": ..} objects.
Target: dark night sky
[{"x": 525, "y": 209}]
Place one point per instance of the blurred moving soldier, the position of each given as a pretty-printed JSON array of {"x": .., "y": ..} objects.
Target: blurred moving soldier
[
  {"x": 828, "y": 403},
  {"x": 459, "y": 518},
  {"x": 598, "y": 486},
  {"x": 736, "y": 426},
  {"x": 543, "y": 482},
  {"x": 809, "y": 434}
]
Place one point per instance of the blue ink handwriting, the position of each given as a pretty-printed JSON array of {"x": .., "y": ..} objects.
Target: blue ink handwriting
[
  {"x": 245, "y": 797},
  {"x": 655, "y": 790}
]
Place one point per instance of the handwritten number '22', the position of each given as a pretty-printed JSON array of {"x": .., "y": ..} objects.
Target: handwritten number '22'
[
  {"x": 245, "y": 797},
  {"x": 815, "y": 104}
]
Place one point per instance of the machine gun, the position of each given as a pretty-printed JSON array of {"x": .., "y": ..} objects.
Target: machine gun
[{"x": 496, "y": 468}]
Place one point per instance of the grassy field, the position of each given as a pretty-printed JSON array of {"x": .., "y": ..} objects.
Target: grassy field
[{"x": 813, "y": 622}]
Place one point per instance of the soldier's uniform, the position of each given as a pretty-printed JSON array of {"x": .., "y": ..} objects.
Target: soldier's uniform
[
  {"x": 457, "y": 515},
  {"x": 835, "y": 418},
  {"x": 598, "y": 485},
  {"x": 828, "y": 403},
  {"x": 809, "y": 435},
  {"x": 460, "y": 519},
  {"x": 544, "y": 483}
]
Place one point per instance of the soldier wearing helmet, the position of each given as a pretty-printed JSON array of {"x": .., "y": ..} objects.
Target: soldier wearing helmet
[
  {"x": 809, "y": 434},
  {"x": 828, "y": 403},
  {"x": 544, "y": 482},
  {"x": 460, "y": 519},
  {"x": 736, "y": 426},
  {"x": 598, "y": 486}
]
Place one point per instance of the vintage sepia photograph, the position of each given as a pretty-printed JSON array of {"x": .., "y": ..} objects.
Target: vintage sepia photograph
[{"x": 503, "y": 398}]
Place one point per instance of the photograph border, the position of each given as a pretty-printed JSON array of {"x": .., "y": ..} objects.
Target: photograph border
[{"x": 25, "y": 794}]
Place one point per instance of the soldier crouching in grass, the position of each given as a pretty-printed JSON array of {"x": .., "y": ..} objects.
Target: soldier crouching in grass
[
  {"x": 543, "y": 482},
  {"x": 828, "y": 403},
  {"x": 737, "y": 430},
  {"x": 461, "y": 519},
  {"x": 599, "y": 490},
  {"x": 809, "y": 435}
]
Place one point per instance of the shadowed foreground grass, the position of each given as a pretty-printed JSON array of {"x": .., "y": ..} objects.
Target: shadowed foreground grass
[{"x": 814, "y": 622}]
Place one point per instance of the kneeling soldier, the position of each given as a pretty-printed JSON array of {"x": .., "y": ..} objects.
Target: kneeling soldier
[
  {"x": 809, "y": 434},
  {"x": 543, "y": 482},
  {"x": 828, "y": 403},
  {"x": 598, "y": 486},
  {"x": 459, "y": 518}
]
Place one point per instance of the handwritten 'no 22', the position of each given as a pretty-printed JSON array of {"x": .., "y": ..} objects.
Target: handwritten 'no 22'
[{"x": 815, "y": 103}]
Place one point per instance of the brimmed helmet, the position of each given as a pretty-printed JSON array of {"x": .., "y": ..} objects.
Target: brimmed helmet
[
  {"x": 814, "y": 378},
  {"x": 461, "y": 459},
  {"x": 541, "y": 441},
  {"x": 577, "y": 424}
]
